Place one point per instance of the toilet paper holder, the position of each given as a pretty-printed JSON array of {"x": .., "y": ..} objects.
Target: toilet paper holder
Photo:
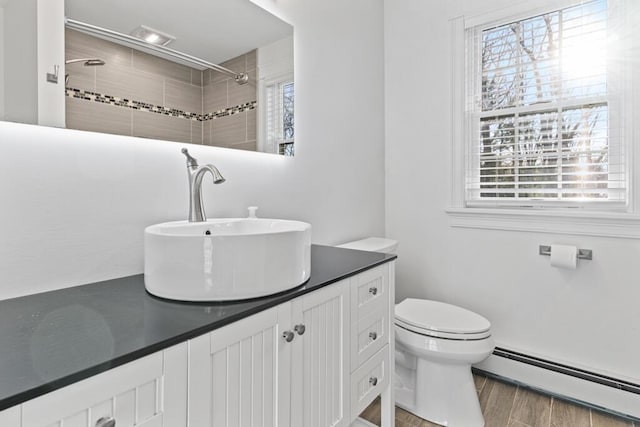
[{"x": 582, "y": 253}]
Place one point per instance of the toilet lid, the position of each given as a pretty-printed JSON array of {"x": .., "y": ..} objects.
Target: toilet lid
[{"x": 440, "y": 319}]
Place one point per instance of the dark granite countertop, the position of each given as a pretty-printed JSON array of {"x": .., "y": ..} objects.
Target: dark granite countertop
[{"x": 53, "y": 339}]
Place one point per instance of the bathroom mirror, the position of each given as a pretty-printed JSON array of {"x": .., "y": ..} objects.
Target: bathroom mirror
[{"x": 210, "y": 72}]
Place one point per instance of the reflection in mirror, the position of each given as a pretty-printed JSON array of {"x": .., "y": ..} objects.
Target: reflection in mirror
[{"x": 219, "y": 73}]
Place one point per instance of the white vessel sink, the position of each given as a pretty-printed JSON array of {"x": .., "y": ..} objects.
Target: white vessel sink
[{"x": 226, "y": 259}]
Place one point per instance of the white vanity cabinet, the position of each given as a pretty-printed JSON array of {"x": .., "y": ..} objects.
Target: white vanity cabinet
[
  {"x": 10, "y": 417},
  {"x": 142, "y": 393},
  {"x": 314, "y": 361},
  {"x": 319, "y": 368},
  {"x": 233, "y": 372},
  {"x": 280, "y": 367}
]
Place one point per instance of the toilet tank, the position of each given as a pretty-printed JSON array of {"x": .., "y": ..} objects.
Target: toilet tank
[{"x": 373, "y": 244}]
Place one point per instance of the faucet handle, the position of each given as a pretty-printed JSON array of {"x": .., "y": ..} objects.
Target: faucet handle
[{"x": 191, "y": 162}]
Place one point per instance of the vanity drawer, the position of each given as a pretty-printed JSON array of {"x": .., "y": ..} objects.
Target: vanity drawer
[
  {"x": 369, "y": 380},
  {"x": 131, "y": 394},
  {"x": 368, "y": 335},
  {"x": 370, "y": 292}
]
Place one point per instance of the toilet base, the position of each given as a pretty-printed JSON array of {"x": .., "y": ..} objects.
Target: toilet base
[{"x": 444, "y": 394}]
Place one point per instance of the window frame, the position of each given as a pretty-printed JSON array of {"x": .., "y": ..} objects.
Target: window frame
[
  {"x": 599, "y": 219},
  {"x": 273, "y": 113}
]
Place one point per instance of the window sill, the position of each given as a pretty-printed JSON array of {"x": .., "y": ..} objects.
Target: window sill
[{"x": 602, "y": 224}]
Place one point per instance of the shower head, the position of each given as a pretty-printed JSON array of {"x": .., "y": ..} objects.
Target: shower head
[
  {"x": 94, "y": 62},
  {"x": 88, "y": 62}
]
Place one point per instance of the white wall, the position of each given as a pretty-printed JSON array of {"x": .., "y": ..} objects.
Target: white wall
[
  {"x": 19, "y": 38},
  {"x": 588, "y": 317},
  {"x": 2, "y": 61},
  {"x": 50, "y": 36},
  {"x": 74, "y": 204}
]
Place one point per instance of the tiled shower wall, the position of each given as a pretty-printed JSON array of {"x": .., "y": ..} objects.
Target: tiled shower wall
[
  {"x": 221, "y": 92},
  {"x": 138, "y": 94}
]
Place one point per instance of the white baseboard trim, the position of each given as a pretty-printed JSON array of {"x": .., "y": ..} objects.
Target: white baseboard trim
[{"x": 609, "y": 399}]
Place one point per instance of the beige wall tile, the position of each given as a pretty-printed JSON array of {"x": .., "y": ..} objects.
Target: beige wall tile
[
  {"x": 96, "y": 117},
  {"x": 197, "y": 77},
  {"x": 248, "y": 146},
  {"x": 241, "y": 94},
  {"x": 217, "y": 77},
  {"x": 159, "y": 126},
  {"x": 237, "y": 64},
  {"x": 206, "y": 77},
  {"x": 182, "y": 96},
  {"x": 125, "y": 82},
  {"x": 152, "y": 64},
  {"x": 80, "y": 45},
  {"x": 228, "y": 130},
  {"x": 206, "y": 132},
  {"x": 564, "y": 414},
  {"x": 196, "y": 132},
  {"x": 81, "y": 77},
  {"x": 251, "y": 125},
  {"x": 215, "y": 97}
]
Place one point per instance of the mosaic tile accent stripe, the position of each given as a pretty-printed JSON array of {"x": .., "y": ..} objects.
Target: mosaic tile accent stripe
[{"x": 158, "y": 109}]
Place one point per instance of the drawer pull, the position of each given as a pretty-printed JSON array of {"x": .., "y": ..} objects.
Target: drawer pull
[
  {"x": 373, "y": 336},
  {"x": 106, "y": 422},
  {"x": 373, "y": 381},
  {"x": 300, "y": 329},
  {"x": 288, "y": 336},
  {"x": 373, "y": 290}
]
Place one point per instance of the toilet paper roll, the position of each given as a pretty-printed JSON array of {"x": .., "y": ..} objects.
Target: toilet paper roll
[{"x": 564, "y": 256}]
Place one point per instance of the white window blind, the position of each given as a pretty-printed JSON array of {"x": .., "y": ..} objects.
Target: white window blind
[
  {"x": 541, "y": 116},
  {"x": 280, "y": 116}
]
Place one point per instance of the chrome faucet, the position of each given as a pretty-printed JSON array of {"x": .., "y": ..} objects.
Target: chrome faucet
[{"x": 196, "y": 174}]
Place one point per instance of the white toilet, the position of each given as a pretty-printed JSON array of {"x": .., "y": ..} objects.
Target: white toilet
[{"x": 436, "y": 344}]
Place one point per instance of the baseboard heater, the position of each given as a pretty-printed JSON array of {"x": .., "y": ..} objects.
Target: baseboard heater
[{"x": 568, "y": 370}]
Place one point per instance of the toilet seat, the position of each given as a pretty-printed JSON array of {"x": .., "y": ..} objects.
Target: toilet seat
[{"x": 440, "y": 320}]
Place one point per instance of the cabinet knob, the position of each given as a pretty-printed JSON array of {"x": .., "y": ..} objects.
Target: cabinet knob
[
  {"x": 288, "y": 336},
  {"x": 300, "y": 329},
  {"x": 373, "y": 290},
  {"x": 373, "y": 381},
  {"x": 373, "y": 336},
  {"x": 106, "y": 422}
]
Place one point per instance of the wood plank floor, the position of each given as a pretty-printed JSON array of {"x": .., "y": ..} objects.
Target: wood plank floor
[{"x": 506, "y": 405}]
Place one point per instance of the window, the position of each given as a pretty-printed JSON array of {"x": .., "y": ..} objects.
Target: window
[
  {"x": 280, "y": 117},
  {"x": 543, "y": 115}
]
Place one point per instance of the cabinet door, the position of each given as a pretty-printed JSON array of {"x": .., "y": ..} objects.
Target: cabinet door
[
  {"x": 10, "y": 417},
  {"x": 132, "y": 394},
  {"x": 319, "y": 363},
  {"x": 233, "y": 373}
]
